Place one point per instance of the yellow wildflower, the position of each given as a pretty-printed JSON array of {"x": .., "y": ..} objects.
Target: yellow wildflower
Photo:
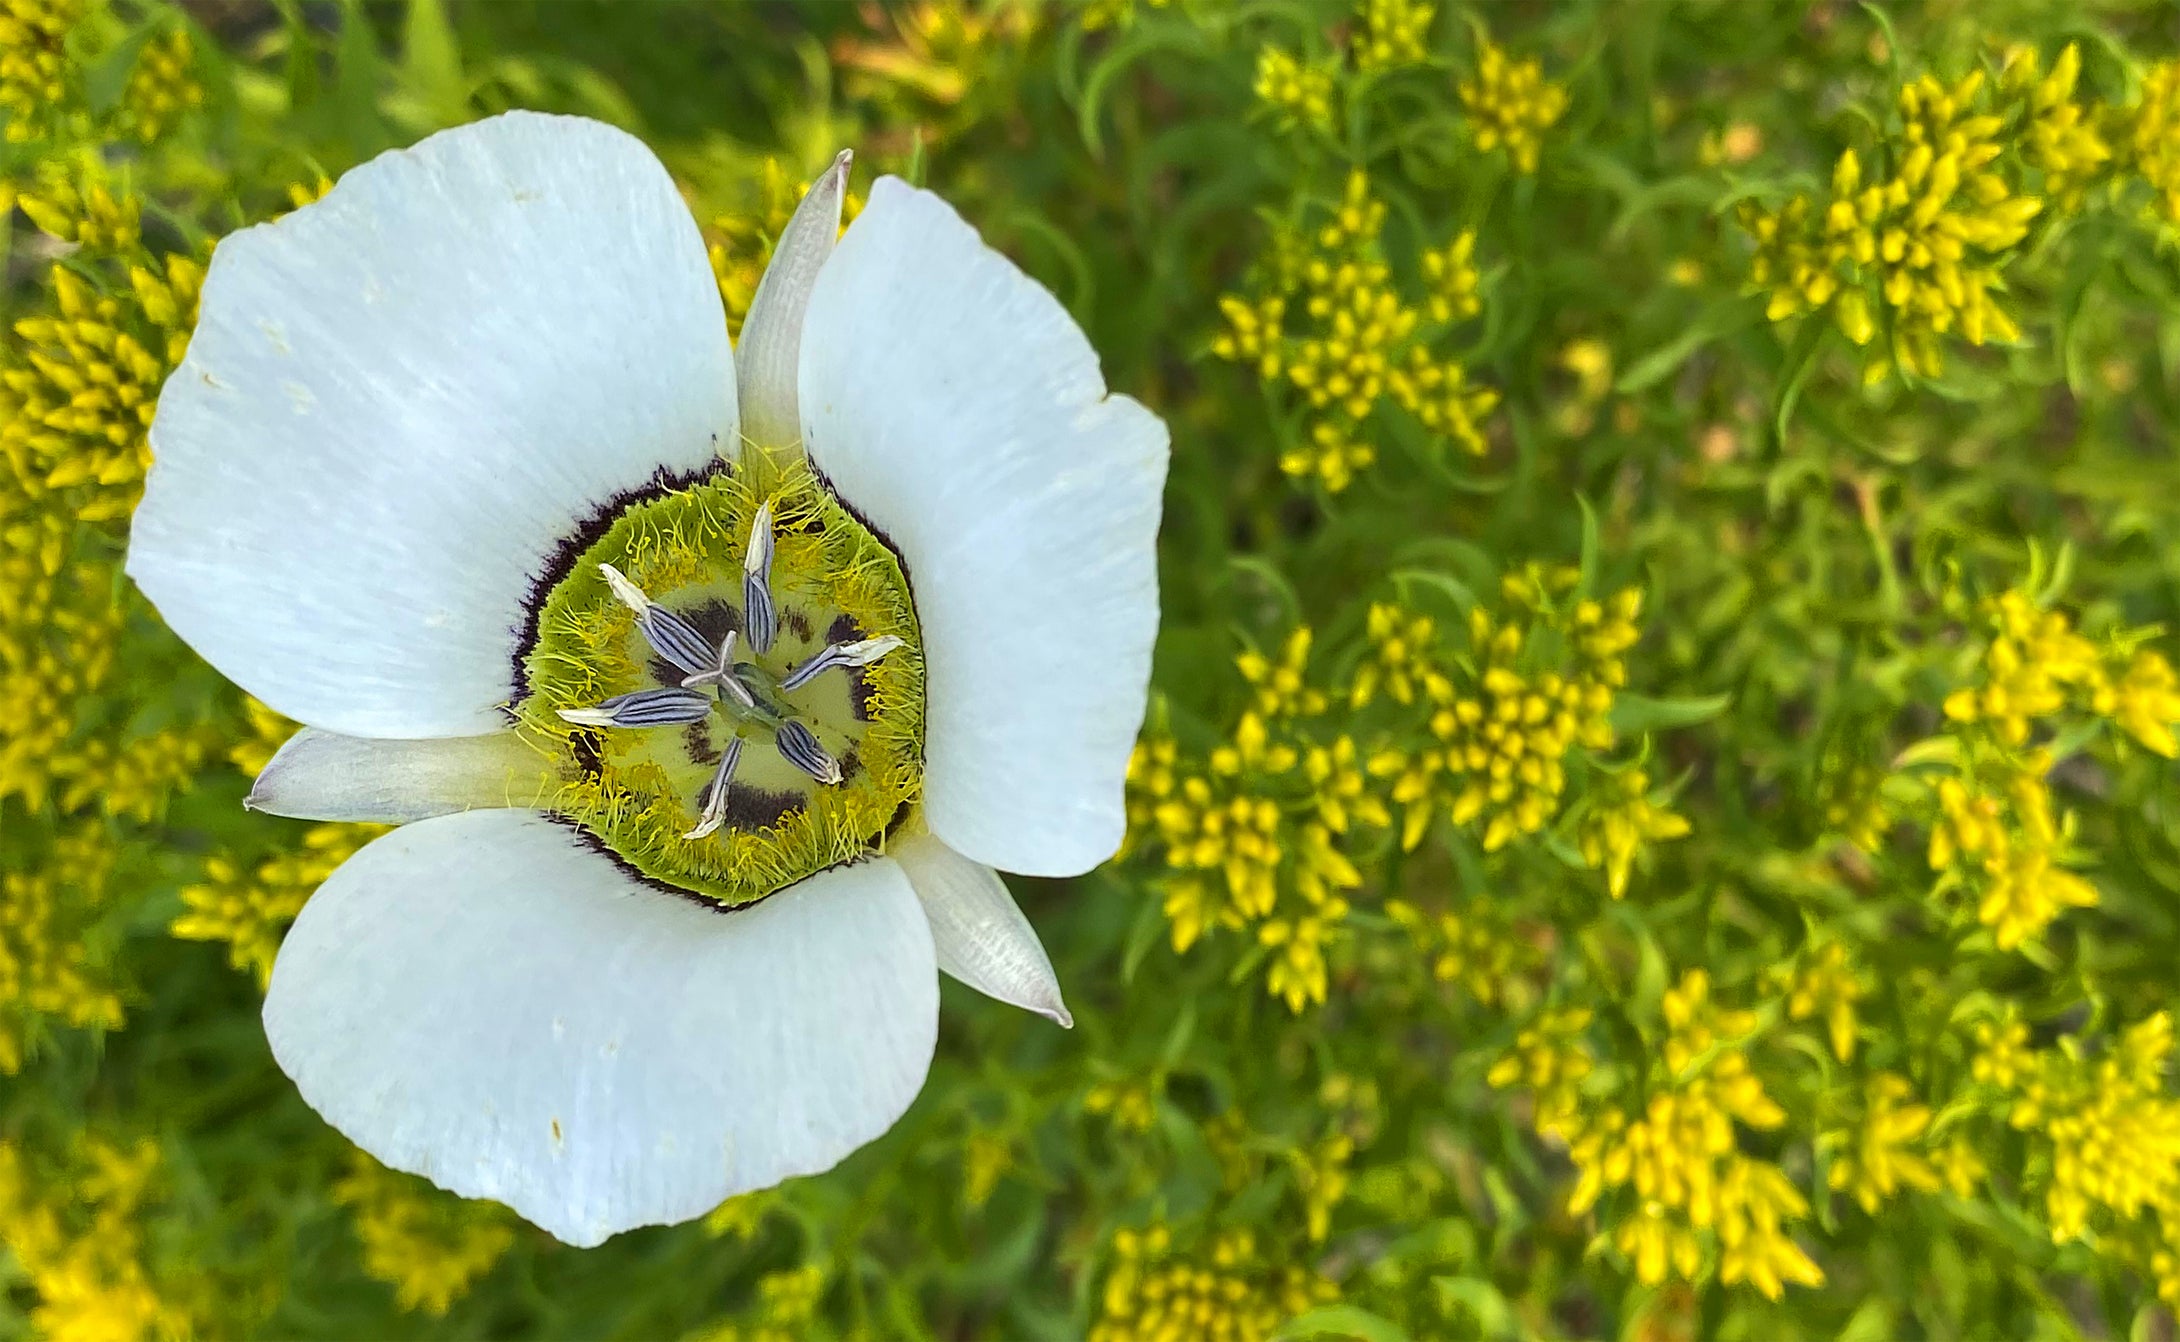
[
  {"x": 1131, "y": 1104},
  {"x": 1321, "y": 1176},
  {"x": 1401, "y": 656},
  {"x": 1438, "y": 393},
  {"x": 1828, "y": 986},
  {"x": 1282, "y": 688},
  {"x": 250, "y": 908},
  {"x": 1962, "y": 1167},
  {"x": 2060, "y": 138},
  {"x": 83, "y": 209},
  {"x": 1231, "y": 1293},
  {"x": 1621, "y": 823},
  {"x": 161, "y": 88},
  {"x": 36, "y": 76},
  {"x": 1468, "y": 949},
  {"x": 1333, "y": 456},
  {"x": 2145, "y": 702},
  {"x": 1878, "y": 1160},
  {"x": 2032, "y": 664},
  {"x": 76, "y": 1237},
  {"x": 2152, "y": 146},
  {"x": 2114, "y": 1133},
  {"x": 1343, "y": 795},
  {"x": 1451, "y": 273},
  {"x": 1550, "y": 1059},
  {"x": 81, "y": 386},
  {"x": 1297, "y": 972},
  {"x": 1253, "y": 334},
  {"x": 1299, "y": 92},
  {"x": 1510, "y": 105},
  {"x": 741, "y": 1216},
  {"x": 135, "y": 778},
  {"x": 428, "y": 1245},
  {"x": 49, "y": 972},
  {"x": 786, "y": 1309},
  {"x": 1393, "y": 33},
  {"x": 2003, "y": 1057}
]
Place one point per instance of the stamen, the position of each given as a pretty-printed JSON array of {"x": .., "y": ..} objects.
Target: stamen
[
  {"x": 759, "y": 616},
  {"x": 860, "y": 653},
  {"x": 669, "y": 635},
  {"x": 722, "y": 675},
  {"x": 798, "y": 747},
  {"x": 715, "y": 793},
  {"x": 644, "y": 708}
]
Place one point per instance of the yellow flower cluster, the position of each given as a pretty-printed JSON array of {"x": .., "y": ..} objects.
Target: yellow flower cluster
[
  {"x": 1252, "y": 835},
  {"x": 2152, "y": 138},
  {"x": 1878, "y": 1157},
  {"x": 787, "y": 1306},
  {"x": 1131, "y": 1102},
  {"x": 1550, "y": 1059},
  {"x": 48, "y": 970},
  {"x": 1917, "y": 252},
  {"x": 1359, "y": 341},
  {"x": 1472, "y": 949},
  {"x": 250, "y": 906},
  {"x": 1510, "y": 105},
  {"x": 1231, "y": 1294},
  {"x": 1393, "y": 33},
  {"x": 428, "y": 1245},
  {"x": 1826, "y": 987},
  {"x": 36, "y": 76},
  {"x": 1501, "y": 735},
  {"x": 1995, "y": 832},
  {"x": 1621, "y": 821},
  {"x": 1297, "y": 91},
  {"x": 81, "y": 385},
  {"x": 161, "y": 88},
  {"x": 82, "y": 207},
  {"x": 2112, "y": 1128},
  {"x": 75, "y": 1234},
  {"x": 58, "y": 637},
  {"x": 1321, "y": 1179},
  {"x": 1676, "y": 1154},
  {"x": 1681, "y": 1160},
  {"x": 2059, "y": 136}
]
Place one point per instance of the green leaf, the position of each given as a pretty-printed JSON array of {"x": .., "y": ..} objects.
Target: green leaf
[
  {"x": 431, "y": 62},
  {"x": 1721, "y": 318},
  {"x": 1342, "y": 1321},
  {"x": 1633, "y": 713}
]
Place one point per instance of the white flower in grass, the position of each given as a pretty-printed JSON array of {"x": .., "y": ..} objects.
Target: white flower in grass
[{"x": 712, "y": 686}]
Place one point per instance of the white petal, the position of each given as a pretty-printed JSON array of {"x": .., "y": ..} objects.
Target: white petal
[
  {"x": 400, "y": 400},
  {"x": 483, "y": 1000},
  {"x": 326, "y": 776},
  {"x": 978, "y": 931},
  {"x": 955, "y": 404},
  {"x": 772, "y": 333}
]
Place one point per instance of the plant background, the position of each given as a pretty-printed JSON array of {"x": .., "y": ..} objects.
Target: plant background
[{"x": 1658, "y": 818}]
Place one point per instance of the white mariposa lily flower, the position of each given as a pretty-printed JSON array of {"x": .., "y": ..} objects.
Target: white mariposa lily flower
[{"x": 709, "y": 687}]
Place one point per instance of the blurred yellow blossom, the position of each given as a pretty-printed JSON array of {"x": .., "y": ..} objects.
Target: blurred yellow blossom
[
  {"x": 1229, "y": 1294},
  {"x": 2152, "y": 130},
  {"x": 161, "y": 87},
  {"x": 1878, "y": 1157},
  {"x": 36, "y": 74},
  {"x": 429, "y": 1245},
  {"x": 1621, "y": 823},
  {"x": 250, "y": 906},
  {"x": 1510, "y": 105},
  {"x": 1299, "y": 92},
  {"x": 1826, "y": 987},
  {"x": 75, "y": 1233}
]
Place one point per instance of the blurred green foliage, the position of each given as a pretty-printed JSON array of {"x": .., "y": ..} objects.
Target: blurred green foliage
[{"x": 1658, "y": 819}]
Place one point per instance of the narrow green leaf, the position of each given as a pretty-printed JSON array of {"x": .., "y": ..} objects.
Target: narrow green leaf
[{"x": 1633, "y": 713}]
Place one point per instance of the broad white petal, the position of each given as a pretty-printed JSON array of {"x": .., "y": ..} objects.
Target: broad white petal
[
  {"x": 326, "y": 776},
  {"x": 401, "y": 399},
  {"x": 955, "y": 404},
  {"x": 484, "y": 1000},
  {"x": 978, "y": 930},
  {"x": 767, "y": 362}
]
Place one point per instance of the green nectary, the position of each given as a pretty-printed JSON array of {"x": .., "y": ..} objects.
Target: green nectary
[{"x": 638, "y": 790}]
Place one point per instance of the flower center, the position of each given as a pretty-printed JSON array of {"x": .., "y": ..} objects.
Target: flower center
[{"x": 733, "y": 680}]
